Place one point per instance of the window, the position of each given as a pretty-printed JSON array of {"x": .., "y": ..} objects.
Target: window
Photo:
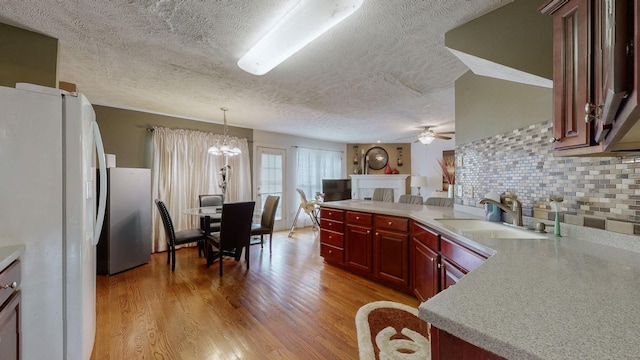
[{"x": 313, "y": 165}]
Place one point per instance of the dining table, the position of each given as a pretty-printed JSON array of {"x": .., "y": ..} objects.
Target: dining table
[{"x": 208, "y": 213}]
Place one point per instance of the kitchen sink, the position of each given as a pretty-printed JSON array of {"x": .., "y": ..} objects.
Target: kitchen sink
[{"x": 488, "y": 229}]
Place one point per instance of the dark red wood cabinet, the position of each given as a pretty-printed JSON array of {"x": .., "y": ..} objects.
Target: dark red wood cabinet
[
  {"x": 10, "y": 328},
  {"x": 405, "y": 255},
  {"x": 10, "y": 297},
  {"x": 332, "y": 235},
  {"x": 595, "y": 75},
  {"x": 445, "y": 346},
  {"x": 391, "y": 250},
  {"x": 450, "y": 274},
  {"x": 425, "y": 261},
  {"x": 359, "y": 248}
]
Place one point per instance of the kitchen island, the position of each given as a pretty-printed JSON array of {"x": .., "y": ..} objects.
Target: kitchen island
[{"x": 570, "y": 297}]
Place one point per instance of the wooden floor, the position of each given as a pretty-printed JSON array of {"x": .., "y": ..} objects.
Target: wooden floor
[{"x": 289, "y": 305}]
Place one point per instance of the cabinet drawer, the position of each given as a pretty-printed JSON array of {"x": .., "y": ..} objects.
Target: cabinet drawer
[
  {"x": 463, "y": 257},
  {"x": 332, "y": 237},
  {"x": 332, "y": 214},
  {"x": 426, "y": 236},
  {"x": 332, "y": 225},
  {"x": 331, "y": 254},
  {"x": 7, "y": 277},
  {"x": 392, "y": 223},
  {"x": 357, "y": 218}
]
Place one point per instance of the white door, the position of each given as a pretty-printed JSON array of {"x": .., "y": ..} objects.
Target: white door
[{"x": 270, "y": 179}]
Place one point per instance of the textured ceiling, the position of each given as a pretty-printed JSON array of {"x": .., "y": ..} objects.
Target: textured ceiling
[{"x": 378, "y": 75}]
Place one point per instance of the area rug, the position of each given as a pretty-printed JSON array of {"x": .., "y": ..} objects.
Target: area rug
[{"x": 389, "y": 330}]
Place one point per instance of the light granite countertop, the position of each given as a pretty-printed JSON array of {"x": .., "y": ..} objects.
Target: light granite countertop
[
  {"x": 570, "y": 297},
  {"x": 8, "y": 254}
]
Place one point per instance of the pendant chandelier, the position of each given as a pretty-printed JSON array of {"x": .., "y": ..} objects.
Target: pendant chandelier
[{"x": 226, "y": 146}]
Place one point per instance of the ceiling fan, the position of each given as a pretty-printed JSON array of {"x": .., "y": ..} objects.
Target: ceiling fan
[{"x": 426, "y": 136}]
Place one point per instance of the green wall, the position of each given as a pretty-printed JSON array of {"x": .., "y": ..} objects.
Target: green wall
[
  {"x": 26, "y": 56},
  {"x": 516, "y": 35},
  {"x": 487, "y": 106},
  {"x": 124, "y": 133}
]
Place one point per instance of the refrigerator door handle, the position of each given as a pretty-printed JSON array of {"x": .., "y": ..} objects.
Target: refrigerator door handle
[{"x": 102, "y": 201}]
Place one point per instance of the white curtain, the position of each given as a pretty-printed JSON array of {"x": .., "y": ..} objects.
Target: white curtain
[
  {"x": 183, "y": 169},
  {"x": 313, "y": 165}
]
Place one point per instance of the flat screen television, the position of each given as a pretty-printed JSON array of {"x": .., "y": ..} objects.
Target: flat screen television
[{"x": 336, "y": 189}]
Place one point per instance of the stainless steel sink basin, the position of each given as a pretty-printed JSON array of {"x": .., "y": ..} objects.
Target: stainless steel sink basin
[{"x": 487, "y": 229}]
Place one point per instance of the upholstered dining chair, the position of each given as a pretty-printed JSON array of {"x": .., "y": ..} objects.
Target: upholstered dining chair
[
  {"x": 267, "y": 220},
  {"x": 176, "y": 237},
  {"x": 439, "y": 201},
  {"x": 383, "y": 194},
  {"x": 410, "y": 199},
  {"x": 234, "y": 235},
  {"x": 211, "y": 200}
]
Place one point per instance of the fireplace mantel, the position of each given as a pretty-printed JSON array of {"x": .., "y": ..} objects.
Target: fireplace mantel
[{"x": 362, "y": 186}]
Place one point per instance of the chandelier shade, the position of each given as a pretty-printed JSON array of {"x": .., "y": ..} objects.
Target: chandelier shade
[
  {"x": 426, "y": 138},
  {"x": 225, "y": 146}
]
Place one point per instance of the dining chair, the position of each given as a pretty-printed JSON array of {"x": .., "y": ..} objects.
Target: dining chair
[
  {"x": 267, "y": 220},
  {"x": 439, "y": 201},
  {"x": 383, "y": 194},
  {"x": 410, "y": 199},
  {"x": 211, "y": 200},
  {"x": 309, "y": 207},
  {"x": 176, "y": 237},
  {"x": 234, "y": 234},
  {"x": 214, "y": 225}
]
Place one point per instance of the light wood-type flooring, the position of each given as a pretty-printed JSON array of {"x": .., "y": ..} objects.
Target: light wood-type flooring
[{"x": 289, "y": 305}]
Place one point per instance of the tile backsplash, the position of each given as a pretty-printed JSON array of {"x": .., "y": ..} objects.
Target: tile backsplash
[{"x": 596, "y": 190}]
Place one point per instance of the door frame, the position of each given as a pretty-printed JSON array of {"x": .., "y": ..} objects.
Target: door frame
[{"x": 259, "y": 149}]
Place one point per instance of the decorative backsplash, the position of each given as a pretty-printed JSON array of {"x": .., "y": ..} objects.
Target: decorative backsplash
[{"x": 601, "y": 192}]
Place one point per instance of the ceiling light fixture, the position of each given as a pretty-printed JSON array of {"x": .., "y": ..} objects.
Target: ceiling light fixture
[
  {"x": 304, "y": 23},
  {"x": 426, "y": 137},
  {"x": 226, "y": 146}
]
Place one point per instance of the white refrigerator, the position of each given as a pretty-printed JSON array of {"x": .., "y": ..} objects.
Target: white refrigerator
[{"x": 48, "y": 144}]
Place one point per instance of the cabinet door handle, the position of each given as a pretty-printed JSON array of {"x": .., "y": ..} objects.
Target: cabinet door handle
[
  {"x": 330, "y": 251},
  {"x": 390, "y": 223},
  {"x": 591, "y": 111},
  {"x": 588, "y": 118},
  {"x": 13, "y": 285},
  {"x": 357, "y": 217}
]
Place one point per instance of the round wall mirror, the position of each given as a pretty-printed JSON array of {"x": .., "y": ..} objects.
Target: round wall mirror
[{"x": 378, "y": 158}]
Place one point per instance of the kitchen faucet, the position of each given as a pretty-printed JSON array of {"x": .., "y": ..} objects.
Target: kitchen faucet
[{"x": 515, "y": 211}]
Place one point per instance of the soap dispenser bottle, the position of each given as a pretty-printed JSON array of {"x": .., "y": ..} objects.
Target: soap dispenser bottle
[{"x": 492, "y": 211}]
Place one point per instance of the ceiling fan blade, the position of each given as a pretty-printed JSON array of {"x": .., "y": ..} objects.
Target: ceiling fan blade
[
  {"x": 446, "y": 132},
  {"x": 406, "y": 137},
  {"x": 438, "y": 136}
]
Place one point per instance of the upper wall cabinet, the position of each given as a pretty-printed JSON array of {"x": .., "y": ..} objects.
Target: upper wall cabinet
[{"x": 595, "y": 76}]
